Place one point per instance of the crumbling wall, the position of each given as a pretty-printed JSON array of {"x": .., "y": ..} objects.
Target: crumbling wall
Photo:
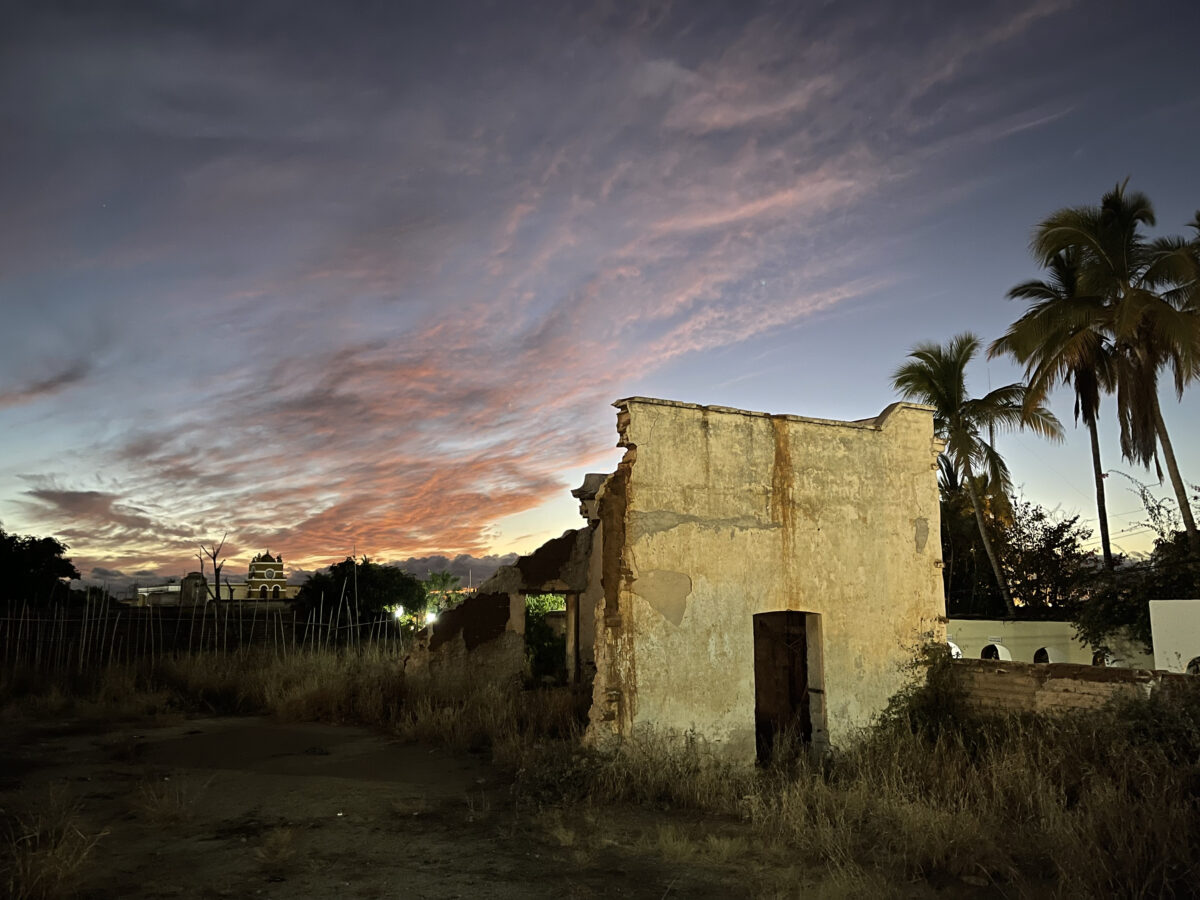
[
  {"x": 482, "y": 641},
  {"x": 717, "y": 514},
  {"x": 1014, "y": 687},
  {"x": 558, "y": 566}
]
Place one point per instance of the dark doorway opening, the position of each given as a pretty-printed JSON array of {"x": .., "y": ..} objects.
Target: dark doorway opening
[{"x": 786, "y": 646}]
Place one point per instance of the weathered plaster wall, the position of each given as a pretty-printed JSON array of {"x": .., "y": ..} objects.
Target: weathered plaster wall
[{"x": 717, "y": 514}]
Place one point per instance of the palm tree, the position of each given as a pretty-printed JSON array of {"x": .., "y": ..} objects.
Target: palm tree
[
  {"x": 1060, "y": 339},
  {"x": 1150, "y": 314},
  {"x": 936, "y": 375}
]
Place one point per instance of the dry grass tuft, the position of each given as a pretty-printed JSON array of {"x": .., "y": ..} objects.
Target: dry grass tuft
[
  {"x": 479, "y": 807},
  {"x": 45, "y": 852},
  {"x": 554, "y": 826},
  {"x": 674, "y": 844},
  {"x": 721, "y": 850},
  {"x": 276, "y": 852},
  {"x": 123, "y": 748},
  {"x": 695, "y": 845},
  {"x": 167, "y": 801},
  {"x": 410, "y": 807}
]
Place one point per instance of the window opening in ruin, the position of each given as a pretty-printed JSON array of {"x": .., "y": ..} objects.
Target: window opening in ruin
[
  {"x": 1041, "y": 655},
  {"x": 275, "y": 592},
  {"x": 788, "y": 711},
  {"x": 262, "y": 592},
  {"x": 546, "y": 638}
]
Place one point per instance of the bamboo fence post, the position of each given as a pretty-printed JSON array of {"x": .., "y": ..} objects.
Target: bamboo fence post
[
  {"x": 192, "y": 630},
  {"x": 37, "y": 644},
  {"x": 83, "y": 629}
]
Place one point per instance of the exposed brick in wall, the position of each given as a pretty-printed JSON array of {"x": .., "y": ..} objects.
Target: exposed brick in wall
[{"x": 992, "y": 686}]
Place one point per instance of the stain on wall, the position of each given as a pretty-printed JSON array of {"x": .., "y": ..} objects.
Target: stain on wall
[{"x": 920, "y": 533}]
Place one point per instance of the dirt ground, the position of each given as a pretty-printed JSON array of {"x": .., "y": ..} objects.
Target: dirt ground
[{"x": 244, "y": 807}]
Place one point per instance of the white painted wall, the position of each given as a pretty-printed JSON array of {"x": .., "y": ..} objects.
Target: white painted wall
[
  {"x": 1022, "y": 639},
  {"x": 1175, "y": 625}
]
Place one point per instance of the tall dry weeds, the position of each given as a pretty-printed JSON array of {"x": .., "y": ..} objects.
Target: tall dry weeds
[
  {"x": 361, "y": 684},
  {"x": 1099, "y": 804},
  {"x": 1086, "y": 805}
]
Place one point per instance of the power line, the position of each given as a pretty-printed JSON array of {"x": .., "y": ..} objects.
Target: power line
[{"x": 1041, "y": 460}]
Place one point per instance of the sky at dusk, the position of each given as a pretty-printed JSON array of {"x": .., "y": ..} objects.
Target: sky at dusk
[{"x": 368, "y": 276}]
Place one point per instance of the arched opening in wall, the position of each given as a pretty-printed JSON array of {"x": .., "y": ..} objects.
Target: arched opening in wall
[
  {"x": 789, "y": 696},
  {"x": 1100, "y": 658},
  {"x": 996, "y": 651},
  {"x": 275, "y": 592},
  {"x": 1042, "y": 655},
  {"x": 262, "y": 592},
  {"x": 1193, "y": 668},
  {"x": 955, "y": 650}
]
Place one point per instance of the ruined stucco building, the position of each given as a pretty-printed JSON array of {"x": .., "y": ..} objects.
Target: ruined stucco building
[
  {"x": 743, "y": 573},
  {"x": 483, "y": 639}
]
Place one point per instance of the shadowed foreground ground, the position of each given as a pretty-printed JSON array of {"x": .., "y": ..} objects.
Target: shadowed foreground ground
[{"x": 243, "y": 807}]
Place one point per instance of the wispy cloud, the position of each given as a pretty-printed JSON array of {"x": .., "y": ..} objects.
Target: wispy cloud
[
  {"x": 387, "y": 279},
  {"x": 44, "y": 387}
]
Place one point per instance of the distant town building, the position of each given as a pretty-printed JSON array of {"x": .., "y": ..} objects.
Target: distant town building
[{"x": 265, "y": 581}]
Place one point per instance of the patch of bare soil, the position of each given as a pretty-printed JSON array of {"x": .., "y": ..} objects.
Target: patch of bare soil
[{"x": 243, "y": 807}]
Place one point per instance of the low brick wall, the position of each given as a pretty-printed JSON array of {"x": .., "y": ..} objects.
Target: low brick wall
[{"x": 992, "y": 686}]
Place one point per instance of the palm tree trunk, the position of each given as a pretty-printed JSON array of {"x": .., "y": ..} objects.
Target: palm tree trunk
[
  {"x": 1001, "y": 582},
  {"x": 1185, "y": 509},
  {"x": 1101, "y": 505}
]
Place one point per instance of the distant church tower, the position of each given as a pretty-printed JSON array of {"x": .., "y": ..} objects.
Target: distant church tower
[{"x": 266, "y": 580}]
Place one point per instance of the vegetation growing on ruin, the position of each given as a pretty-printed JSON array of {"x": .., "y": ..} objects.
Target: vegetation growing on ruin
[{"x": 545, "y": 647}]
